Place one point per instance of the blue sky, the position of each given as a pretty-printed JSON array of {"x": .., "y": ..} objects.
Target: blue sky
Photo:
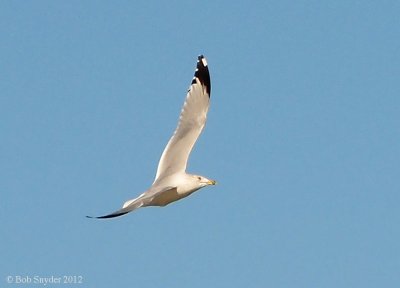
[{"x": 302, "y": 136}]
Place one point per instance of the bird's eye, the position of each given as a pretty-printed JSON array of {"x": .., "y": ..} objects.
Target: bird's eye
[{"x": 199, "y": 177}]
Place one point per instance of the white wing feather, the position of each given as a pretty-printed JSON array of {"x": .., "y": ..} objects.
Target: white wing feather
[{"x": 191, "y": 123}]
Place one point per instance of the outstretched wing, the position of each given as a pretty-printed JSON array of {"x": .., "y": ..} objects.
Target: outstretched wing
[
  {"x": 143, "y": 200},
  {"x": 134, "y": 204},
  {"x": 191, "y": 123}
]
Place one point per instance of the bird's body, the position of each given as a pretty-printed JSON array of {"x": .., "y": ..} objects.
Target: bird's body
[{"x": 172, "y": 183}]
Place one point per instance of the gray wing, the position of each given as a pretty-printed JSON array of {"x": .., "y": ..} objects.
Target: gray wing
[
  {"x": 117, "y": 213},
  {"x": 143, "y": 200},
  {"x": 134, "y": 204},
  {"x": 191, "y": 123}
]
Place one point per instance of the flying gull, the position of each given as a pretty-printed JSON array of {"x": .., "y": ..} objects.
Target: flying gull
[{"x": 172, "y": 183}]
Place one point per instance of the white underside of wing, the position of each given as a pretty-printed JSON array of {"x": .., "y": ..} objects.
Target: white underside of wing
[{"x": 191, "y": 123}]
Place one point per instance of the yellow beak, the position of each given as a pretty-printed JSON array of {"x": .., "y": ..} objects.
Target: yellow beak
[{"x": 212, "y": 182}]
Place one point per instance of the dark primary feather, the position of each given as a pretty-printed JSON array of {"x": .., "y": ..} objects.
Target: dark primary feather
[
  {"x": 109, "y": 215},
  {"x": 202, "y": 74}
]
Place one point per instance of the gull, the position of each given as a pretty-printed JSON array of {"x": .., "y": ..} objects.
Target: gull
[{"x": 172, "y": 183}]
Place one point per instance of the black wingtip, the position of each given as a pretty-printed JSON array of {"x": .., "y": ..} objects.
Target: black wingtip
[
  {"x": 202, "y": 73},
  {"x": 113, "y": 215}
]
